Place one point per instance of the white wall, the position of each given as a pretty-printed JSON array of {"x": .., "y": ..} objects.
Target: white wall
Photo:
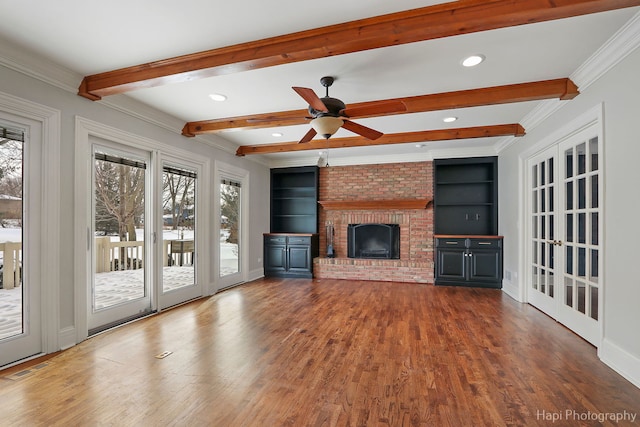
[
  {"x": 618, "y": 91},
  {"x": 166, "y": 130}
]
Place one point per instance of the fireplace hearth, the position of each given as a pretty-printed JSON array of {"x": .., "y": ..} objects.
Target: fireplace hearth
[{"x": 373, "y": 241}]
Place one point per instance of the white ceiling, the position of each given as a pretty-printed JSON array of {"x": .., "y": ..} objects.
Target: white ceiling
[{"x": 90, "y": 37}]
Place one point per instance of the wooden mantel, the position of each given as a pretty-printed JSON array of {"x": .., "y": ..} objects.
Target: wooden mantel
[{"x": 334, "y": 205}]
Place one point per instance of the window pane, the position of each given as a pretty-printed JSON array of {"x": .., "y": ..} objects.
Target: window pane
[
  {"x": 568, "y": 156},
  {"x": 594, "y": 228},
  {"x": 534, "y": 176},
  {"x": 568, "y": 291},
  {"x": 178, "y": 236},
  {"x": 593, "y": 276},
  {"x": 569, "y": 260},
  {"x": 593, "y": 152},
  {"x": 569, "y": 228},
  {"x": 550, "y": 163},
  {"x": 120, "y": 231},
  {"x": 534, "y": 201},
  {"x": 229, "y": 228},
  {"x": 12, "y": 288},
  {"x": 594, "y": 302},
  {"x": 569, "y": 195},
  {"x": 582, "y": 158},
  {"x": 594, "y": 191},
  {"x": 582, "y": 193},
  {"x": 534, "y": 277},
  {"x": 535, "y": 252},
  {"x": 582, "y": 262},
  {"x": 543, "y": 200},
  {"x": 582, "y": 228},
  {"x": 581, "y": 288}
]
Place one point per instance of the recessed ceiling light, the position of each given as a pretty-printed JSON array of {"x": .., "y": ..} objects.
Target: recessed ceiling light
[
  {"x": 218, "y": 97},
  {"x": 419, "y": 145},
  {"x": 277, "y": 134},
  {"x": 449, "y": 119},
  {"x": 473, "y": 60}
]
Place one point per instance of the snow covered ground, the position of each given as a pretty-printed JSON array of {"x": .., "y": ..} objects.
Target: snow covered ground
[{"x": 112, "y": 287}]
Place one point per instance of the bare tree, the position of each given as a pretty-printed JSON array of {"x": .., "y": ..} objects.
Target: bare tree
[
  {"x": 120, "y": 196},
  {"x": 230, "y": 209},
  {"x": 178, "y": 198}
]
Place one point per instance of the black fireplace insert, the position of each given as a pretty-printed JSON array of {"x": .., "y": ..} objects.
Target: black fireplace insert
[{"x": 381, "y": 241}]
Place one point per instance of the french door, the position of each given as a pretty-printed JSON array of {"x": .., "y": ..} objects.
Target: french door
[{"x": 564, "y": 254}]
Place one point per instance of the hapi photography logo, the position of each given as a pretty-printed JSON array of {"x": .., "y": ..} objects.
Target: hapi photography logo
[{"x": 573, "y": 415}]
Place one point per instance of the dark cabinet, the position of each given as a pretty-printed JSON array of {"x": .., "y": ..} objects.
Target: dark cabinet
[
  {"x": 469, "y": 261},
  {"x": 289, "y": 255},
  {"x": 294, "y": 200}
]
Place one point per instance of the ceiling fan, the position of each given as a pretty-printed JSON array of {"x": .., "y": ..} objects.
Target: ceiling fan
[{"x": 330, "y": 114}]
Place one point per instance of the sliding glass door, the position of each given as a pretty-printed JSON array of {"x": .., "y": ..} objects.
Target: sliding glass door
[
  {"x": 120, "y": 287},
  {"x": 180, "y": 223},
  {"x": 20, "y": 329}
]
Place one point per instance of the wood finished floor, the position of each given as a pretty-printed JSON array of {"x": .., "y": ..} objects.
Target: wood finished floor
[{"x": 325, "y": 353}]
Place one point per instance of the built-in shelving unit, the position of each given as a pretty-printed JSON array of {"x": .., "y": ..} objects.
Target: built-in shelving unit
[
  {"x": 292, "y": 245},
  {"x": 294, "y": 196},
  {"x": 468, "y": 249},
  {"x": 466, "y": 196}
]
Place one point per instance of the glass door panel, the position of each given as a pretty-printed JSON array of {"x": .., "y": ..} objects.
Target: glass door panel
[
  {"x": 179, "y": 224},
  {"x": 12, "y": 288},
  {"x": 230, "y": 231},
  {"x": 120, "y": 287}
]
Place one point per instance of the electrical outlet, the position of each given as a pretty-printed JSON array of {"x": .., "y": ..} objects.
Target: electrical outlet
[{"x": 259, "y": 260}]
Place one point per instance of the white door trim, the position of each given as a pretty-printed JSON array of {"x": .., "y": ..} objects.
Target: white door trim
[{"x": 49, "y": 123}]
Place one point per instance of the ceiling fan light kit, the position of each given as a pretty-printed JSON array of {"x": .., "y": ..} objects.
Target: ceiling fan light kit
[
  {"x": 326, "y": 126},
  {"x": 330, "y": 114}
]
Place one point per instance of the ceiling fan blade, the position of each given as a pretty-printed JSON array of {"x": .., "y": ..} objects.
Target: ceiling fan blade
[
  {"x": 361, "y": 130},
  {"x": 308, "y": 136},
  {"x": 310, "y": 96},
  {"x": 375, "y": 109}
]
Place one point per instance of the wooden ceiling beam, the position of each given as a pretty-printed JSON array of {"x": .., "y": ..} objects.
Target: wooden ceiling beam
[
  {"x": 534, "y": 91},
  {"x": 427, "y": 23},
  {"x": 396, "y": 138}
]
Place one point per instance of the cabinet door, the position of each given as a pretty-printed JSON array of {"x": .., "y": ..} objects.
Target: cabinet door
[
  {"x": 275, "y": 259},
  {"x": 299, "y": 259},
  {"x": 451, "y": 264},
  {"x": 485, "y": 266}
]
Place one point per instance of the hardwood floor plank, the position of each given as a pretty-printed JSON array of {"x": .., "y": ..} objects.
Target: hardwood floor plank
[{"x": 325, "y": 353}]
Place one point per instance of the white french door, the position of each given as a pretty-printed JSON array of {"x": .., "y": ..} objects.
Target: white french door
[{"x": 565, "y": 233}]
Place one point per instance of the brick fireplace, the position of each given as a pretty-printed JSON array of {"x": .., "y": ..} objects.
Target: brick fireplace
[{"x": 395, "y": 193}]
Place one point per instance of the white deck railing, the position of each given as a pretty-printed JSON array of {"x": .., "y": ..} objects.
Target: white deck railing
[
  {"x": 11, "y": 255},
  {"x": 108, "y": 256}
]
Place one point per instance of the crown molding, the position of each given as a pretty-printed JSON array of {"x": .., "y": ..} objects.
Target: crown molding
[
  {"x": 32, "y": 65},
  {"x": 618, "y": 47}
]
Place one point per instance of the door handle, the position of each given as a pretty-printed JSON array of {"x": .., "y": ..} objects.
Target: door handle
[{"x": 555, "y": 242}]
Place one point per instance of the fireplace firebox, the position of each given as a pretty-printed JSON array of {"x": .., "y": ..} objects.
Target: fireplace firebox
[{"x": 380, "y": 241}]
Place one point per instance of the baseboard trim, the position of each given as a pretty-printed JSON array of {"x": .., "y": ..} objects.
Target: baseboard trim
[
  {"x": 621, "y": 361},
  {"x": 511, "y": 289},
  {"x": 67, "y": 338}
]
